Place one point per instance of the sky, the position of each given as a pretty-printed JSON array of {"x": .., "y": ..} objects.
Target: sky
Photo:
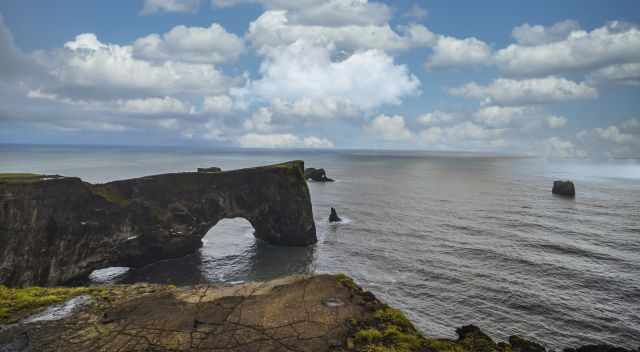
[{"x": 559, "y": 79}]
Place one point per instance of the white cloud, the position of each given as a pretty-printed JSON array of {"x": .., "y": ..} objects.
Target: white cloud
[
  {"x": 153, "y": 106},
  {"x": 529, "y": 91},
  {"x": 623, "y": 73},
  {"x": 303, "y": 79},
  {"x": 615, "y": 43},
  {"x": 154, "y": 6},
  {"x": 317, "y": 143},
  {"x": 435, "y": 117},
  {"x": 538, "y": 35},
  {"x": 555, "y": 121},
  {"x": 389, "y": 128},
  {"x": 274, "y": 29},
  {"x": 87, "y": 62},
  {"x": 221, "y": 104},
  {"x": 212, "y": 132},
  {"x": 613, "y": 134},
  {"x": 452, "y": 52},
  {"x": 212, "y": 44},
  {"x": 558, "y": 148},
  {"x": 260, "y": 120},
  {"x": 285, "y": 140},
  {"x": 328, "y": 13},
  {"x": 498, "y": 116}
]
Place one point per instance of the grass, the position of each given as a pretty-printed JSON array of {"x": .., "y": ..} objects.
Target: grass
[
  {"x": 17, "y": 177},
  {"x": 111, "y": 194},
  {"x": 16, "y": 303}
]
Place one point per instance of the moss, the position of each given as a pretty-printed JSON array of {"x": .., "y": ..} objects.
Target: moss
[
  {"x": 16, "y": 303},
  {"x": 111, "y": 194},
  {"x": 368, "y": 336},
  {"x": 15, "y": 177},
  {"x": 395, "y": 317},
  {"x": 346, "y": 281}
]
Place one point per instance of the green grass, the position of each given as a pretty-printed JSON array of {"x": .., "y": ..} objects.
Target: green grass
[
  {"x": 111, "y": 194},
  {"x": 17, "y": 177},
  {"x": 16, "y": 303}
]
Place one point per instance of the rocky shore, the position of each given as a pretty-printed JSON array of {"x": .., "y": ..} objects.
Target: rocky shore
[{"x": 296, "y": 313}]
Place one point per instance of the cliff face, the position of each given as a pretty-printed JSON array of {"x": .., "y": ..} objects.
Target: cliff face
[{"x": 53, "y": 230}]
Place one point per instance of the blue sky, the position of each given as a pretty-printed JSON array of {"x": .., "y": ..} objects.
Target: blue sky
[{"x": 550, "y": 78}]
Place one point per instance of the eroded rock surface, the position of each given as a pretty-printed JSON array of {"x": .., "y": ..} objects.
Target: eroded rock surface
[
  {"x": 291, "y": 314},
  {"x": 56, "y": 229}
]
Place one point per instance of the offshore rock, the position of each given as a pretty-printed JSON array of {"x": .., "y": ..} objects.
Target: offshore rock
[
  {"x": 318, "y": 175},
  {"x": 53, "y": 230},
  {"x": 333, "y": 217},
  {"x": 564, "y": 188}
]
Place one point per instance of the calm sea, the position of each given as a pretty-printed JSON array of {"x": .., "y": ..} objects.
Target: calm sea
[{"x": 450, "y": 238}]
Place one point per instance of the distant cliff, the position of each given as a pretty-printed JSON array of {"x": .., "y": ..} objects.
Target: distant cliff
[{"x": 53, "y": 229}]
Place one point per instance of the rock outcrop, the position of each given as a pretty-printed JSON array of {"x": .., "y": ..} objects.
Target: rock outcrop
[
  {"x": 564, "y": 188},
  {"x": 333, "y": 217},
  {"x": 209, "y": 169},
  {"x": 56, "y": 229},
  {"x": 317, "y": 175},
  {"x": 324, "y": 313}
]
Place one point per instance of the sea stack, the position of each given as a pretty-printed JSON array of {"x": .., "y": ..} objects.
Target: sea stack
[
  {"x": 564, "y": 188},
  {"x": 318, "y": 175},
  {"x": 334, "y": 216}
]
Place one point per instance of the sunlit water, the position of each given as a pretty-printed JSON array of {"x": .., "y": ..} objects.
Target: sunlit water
[{"x": 452, "y": 239}]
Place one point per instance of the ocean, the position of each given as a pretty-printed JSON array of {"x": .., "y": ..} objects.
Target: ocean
[{"x": 449, "y": 238}]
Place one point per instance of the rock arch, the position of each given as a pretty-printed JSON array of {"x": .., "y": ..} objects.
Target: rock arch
[{"x": 55, "y": 230}]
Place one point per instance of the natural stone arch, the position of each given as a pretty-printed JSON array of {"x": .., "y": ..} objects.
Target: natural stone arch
[{"x": 54, "y": 230}]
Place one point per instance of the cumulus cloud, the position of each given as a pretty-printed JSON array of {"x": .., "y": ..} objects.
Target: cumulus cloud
[
  {"x": 554, "y": 121},
  {"x": 155, "y": 6},
  {"x": 88, "y": 63},
  {"x": 529, "y": 91},
  {"x": 154, "y": 106},
  {"x": 538, "y": 35},
  {"x": 499, "y": 116},
  {"x": 453, "y": 52},
  {"x": 211, "y": 44},
  {"x": 558, "y": 148},
  {"x": 628, "y": 74},
  {"x": 284, "y": 140},
  {"x": 324, "y": 12},
  {"x": 302, "y": 78},
  {"x": 614, "y": 43},
  {"x": 435, "y": 117},
  {"x": 613, "y": 134},
  {"x": 274, "y": 29},
  {"x": 389, "y": 128},
  {"x": 260, "y": 120},
  {"x": 221, "y": 104}
]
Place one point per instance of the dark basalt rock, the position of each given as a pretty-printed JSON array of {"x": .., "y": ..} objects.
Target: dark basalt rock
[
  {"x": 518, "y": 344},
  {"x": 333, "y": 217},
  {"x": 209, "y": 169},
  {"x": 55, "y": 230},
  {"x": 318, "y": 175},
  {"x": 564, "y": 188}
]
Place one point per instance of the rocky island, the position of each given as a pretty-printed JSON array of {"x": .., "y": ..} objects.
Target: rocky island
[{"x": 55, "y": 229}]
